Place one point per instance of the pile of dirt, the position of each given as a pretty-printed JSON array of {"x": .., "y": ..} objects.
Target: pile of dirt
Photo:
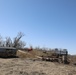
[
  {"x": 25, "y": 54},
  {"x": 31, "y": 54}
]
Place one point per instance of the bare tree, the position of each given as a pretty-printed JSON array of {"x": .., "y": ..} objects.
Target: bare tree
[
  {"x": 17, "y": 43},
  {"x": 1, "y": 41},
  {"x": 21, "y": 44},
  {"x": 8, "y": 42}
]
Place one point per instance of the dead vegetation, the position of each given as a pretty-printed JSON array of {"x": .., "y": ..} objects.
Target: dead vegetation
[{"x": 39, "y": 53}]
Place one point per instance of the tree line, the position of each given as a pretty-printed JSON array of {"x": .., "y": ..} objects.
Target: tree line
[{"x": 16, "y": 42}]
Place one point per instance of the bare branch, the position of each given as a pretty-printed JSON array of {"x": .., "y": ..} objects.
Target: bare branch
[
  {"x": 17, "y": 42},
  {"x": 8, "y": 42}
]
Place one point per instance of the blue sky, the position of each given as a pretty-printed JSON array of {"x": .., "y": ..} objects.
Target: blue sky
[{"x": 49, "y": 23}]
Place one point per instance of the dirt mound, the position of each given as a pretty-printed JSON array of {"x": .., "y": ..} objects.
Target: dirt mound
[
  {"x": 23, "y": 54},
  {"x": 30, "y": 54}
]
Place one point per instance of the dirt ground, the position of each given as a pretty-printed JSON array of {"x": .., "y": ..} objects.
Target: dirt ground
[
  {"x": 22, "y": 66},
  {"x": 29, "y": 63}
]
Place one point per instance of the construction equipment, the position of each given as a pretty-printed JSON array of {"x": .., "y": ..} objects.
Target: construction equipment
[{"x": 57, "y": 55}]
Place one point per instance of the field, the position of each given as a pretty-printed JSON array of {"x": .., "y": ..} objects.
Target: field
[{"x": 26, "y": 65}]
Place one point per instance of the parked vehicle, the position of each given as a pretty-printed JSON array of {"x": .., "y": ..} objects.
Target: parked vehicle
[{"x": 7, "y": 51}]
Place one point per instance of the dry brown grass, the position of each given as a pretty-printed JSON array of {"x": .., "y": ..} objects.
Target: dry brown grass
[
  {"x": 72, "y": 59},
  {"x": 19, "y": 66},
  {"x": 39, "y": 53}
]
